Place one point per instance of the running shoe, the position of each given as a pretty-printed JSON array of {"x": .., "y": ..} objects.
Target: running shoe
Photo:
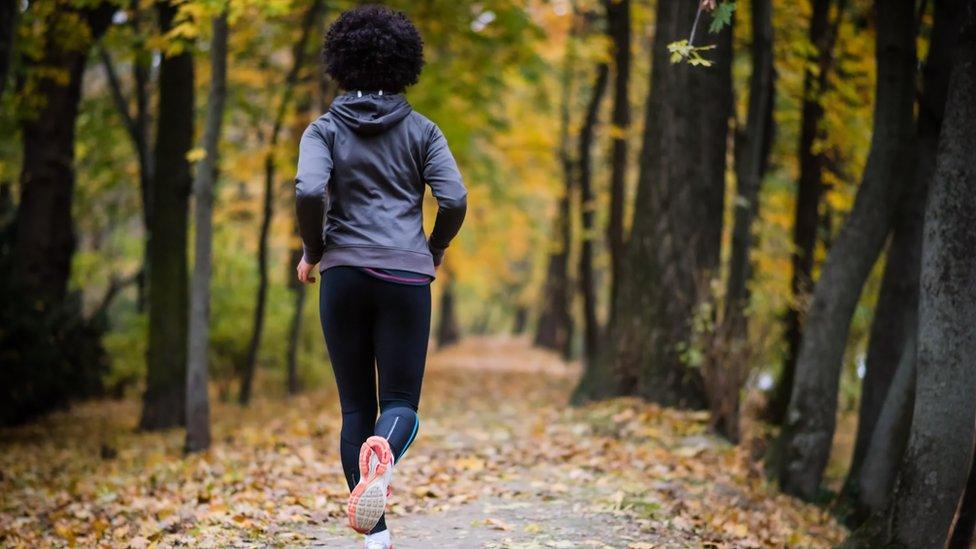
[
  {"x": 367, "y": 503},
  {"x": 379, "y": 541}
]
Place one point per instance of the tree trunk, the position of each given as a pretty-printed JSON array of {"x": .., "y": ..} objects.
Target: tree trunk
[
  {"x": 45, "y": 239},
  {"x": 937, "y": 463},
  {"x": 555, "y": 328},
  {"x": 591, "y": 327},
  {"x": 197, "y": 399},
  {"x": 673, "y": 250},
  {"x": 751, "y": 159},
  {"x": 809, "y": 428},
  {"x": 448, "y": 332},
  {"x": 295, "y": 326},
  {"x": 618, "y": 30},
  {"x": 8, "y": 29},
  {"x": 890, "y": 434},
  {"x": 137, "y": 126},
  {"x": 596, "y": 376},
  {"x": 898, "y": 301},
  {"x": 299, "y": 55},
  {"x": 810, "y": 188},
  {"x": 520, "y": 320},
  {"x": 164, "y": 402},
  {"x": 724, "y": 368}
]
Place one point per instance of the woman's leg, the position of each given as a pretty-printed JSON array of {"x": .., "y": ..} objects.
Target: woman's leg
[
  {"x": 346, "y": 311},
  {"x": 401, "y": 329}
]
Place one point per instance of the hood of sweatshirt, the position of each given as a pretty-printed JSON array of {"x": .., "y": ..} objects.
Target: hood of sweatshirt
[{"x": 372, "y": 113}]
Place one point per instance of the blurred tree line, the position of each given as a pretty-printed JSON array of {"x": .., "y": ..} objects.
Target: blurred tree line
[{"x": 695, "y": 203}]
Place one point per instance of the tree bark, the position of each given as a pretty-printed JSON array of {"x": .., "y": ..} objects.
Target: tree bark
[
  {"x": 137, "y": 125},
  {"x": 299, "y": 55},
  {"x": 596, "y": 376},
  {"x": 937, "y": 463},
  {"x": 809, "y": 428},
  {"x": 197, "y": 398},
  {"x": 889, "y": 435},
  {"x": 448, "y": 332},
  {"x": 591, "y": 326},
  {"x": 897, "y": 306},
  {"x": 751, "y": 159},
  {"x": 164, "y": 402},
  {"x": 619, "y": 32},
  {"x": 555, "y": 328},
  {"x": 673, "y": 249},
  {"x": 810, "y": 189},
  {"x": 295, "y": 327},
  {"x": 45, "y": 239}
]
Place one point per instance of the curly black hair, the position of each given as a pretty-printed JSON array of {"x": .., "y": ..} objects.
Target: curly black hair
[{"x": 373, "y": 48}]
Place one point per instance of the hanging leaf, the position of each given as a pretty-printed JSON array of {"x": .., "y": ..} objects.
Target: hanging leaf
[
  {"x": 682, "y": 51},
  {"x": 721, "y": 17}
]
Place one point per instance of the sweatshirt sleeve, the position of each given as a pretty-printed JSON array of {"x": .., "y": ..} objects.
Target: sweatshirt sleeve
[
  {"x": 442, "y": 174},
  {"x": 311, "y": 182}
]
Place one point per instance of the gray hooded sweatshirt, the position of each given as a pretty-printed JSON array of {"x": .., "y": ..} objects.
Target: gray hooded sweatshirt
[{"x": 362, "y": 168}]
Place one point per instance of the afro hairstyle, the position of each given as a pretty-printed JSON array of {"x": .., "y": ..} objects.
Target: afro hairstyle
[{"x": 373, "y": 48}]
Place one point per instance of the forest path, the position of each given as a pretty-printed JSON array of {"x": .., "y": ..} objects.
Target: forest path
[
  {"x": 503, "y": 462},
  {"x": 487, "y": 405},
  {"x": 500, "y": 461}
]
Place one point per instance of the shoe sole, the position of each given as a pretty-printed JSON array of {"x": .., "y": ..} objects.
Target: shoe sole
[{"x": 367, "y": 502}]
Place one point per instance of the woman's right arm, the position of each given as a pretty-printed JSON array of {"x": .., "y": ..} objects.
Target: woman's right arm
[
  {"x": 442, "y": 174},
  {"x": 314, "y": 172}
]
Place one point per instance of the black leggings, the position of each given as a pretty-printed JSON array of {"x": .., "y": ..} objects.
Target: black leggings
[{"x": 373, "y": 326}]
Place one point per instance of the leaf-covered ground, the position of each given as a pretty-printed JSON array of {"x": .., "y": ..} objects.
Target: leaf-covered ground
[{"x": 500, "y": 461}]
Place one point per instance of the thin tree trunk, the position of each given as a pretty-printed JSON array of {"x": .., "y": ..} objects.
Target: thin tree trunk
[
  {"x": 751, "y": 159},
  {"x": 448, "y": 332},
  {"x": 810, "y": 189},
  {"x": 520, "y": 320},
  {"x": 591, "y": 327},
  {"x": 295, "y": 327},
  {"x": 555, "y": 328},
  {"x": 890, "y": 434},
  {"x": 137, "y": 126},
  {"x": 197, "y": 398},
  {"x": 596, "y": 376},
  {"x": 8, "y": 29},
  {"x": 898, "y": 301},
  {"x": 299, "y": 55},
  {"x": 673, "y": 249},
  {"x": 938, "y": 461},
  {"x": 141, "y": 71},
  {"x": 724, "y": 369},
  {"x": 45, "y": 239},
  {"x": 619, "y": 32},
  {"x": 809, "y": 429},
  {"x": 164, "y": 402}
]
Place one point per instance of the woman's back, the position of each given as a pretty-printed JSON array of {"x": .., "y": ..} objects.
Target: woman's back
[{"x": 364, "y": 164}]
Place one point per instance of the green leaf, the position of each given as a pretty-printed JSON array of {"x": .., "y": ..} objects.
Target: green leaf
[{"x": 721, "y": 17}]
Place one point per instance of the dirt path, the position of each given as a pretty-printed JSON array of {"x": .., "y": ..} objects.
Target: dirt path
[
  {"x": 528, "y": 505},
  {"x": 519, "y": 469},
  {"x": 500, "y": 461}
]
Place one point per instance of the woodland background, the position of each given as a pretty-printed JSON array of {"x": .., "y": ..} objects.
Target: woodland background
[{"x": 773, "y": 223}]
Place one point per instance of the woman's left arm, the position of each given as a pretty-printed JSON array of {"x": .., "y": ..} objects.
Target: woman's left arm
[{"x": 311, "y": 181}]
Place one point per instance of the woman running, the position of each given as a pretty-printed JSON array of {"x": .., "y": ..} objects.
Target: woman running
[{"x": 362, "y": 168}]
